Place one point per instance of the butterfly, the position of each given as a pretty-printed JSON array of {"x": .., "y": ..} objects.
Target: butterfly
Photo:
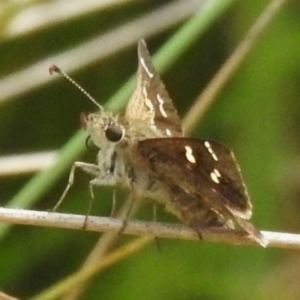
[{"x": 144, "y": 148}]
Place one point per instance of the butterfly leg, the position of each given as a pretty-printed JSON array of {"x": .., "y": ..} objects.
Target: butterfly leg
[
  {"x": 89, "y": 168},
  {"x": 113, "y": 208},
  {"x": 154, "y": 219},
  {"x": 100, "y": 180},
  {"x": 132, "y": 198}
]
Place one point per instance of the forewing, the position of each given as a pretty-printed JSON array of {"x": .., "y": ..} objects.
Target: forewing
[
  {"x": 201, "y": 167},
  {"x": 150, "y": 102},
  {"x": 206, "y": 169}
]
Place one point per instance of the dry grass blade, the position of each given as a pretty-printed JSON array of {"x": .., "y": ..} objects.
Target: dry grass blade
[
  {"x": 26, "y": 163},
  {"x": 153, "y": 229},
  {"x": 99, "y": 48}
]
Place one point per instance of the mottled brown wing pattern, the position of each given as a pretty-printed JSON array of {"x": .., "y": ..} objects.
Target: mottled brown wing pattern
[
  {"x": 205, "y": 169},
  {"x": 144, "y": 149},
  {"x": 193, "y": 211},
  {"x": 150, "y": 103}
]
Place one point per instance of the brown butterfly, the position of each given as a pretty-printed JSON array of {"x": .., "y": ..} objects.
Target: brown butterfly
[{"x": 144, "y": 149}]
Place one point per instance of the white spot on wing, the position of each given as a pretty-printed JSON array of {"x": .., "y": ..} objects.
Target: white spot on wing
[
  {"x": 160, "y": 105},
  {"x": 189, "y": 154},
  {"x": 146, "y": 68},
  {"x": 210, "y": 150},
  {"x": 148, "y": 102},
  {"x": 168, "y": 132},
  {"x": 144, "y": 90},
  {"x": 215, "y": 175},
  {"x": 217, "y": 172}
]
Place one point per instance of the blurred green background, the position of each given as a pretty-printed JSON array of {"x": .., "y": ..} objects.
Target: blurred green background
[{"x": 256, "y": 115}]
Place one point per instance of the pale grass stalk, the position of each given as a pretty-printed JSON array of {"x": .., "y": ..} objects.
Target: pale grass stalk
[
  {"x": 37, "y": 16},
  {"x": 154, "y": 229},
  {"x": 12, "y": 165},
  {"x": 4, "y": 296},
  {"x": 98, "y": 48}
]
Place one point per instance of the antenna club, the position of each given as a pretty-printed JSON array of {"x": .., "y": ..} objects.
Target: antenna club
[
  {"x": 83, "y": 119},
  {"x": 54, "y": 69}
]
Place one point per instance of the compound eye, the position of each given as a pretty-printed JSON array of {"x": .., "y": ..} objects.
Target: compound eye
[{"x": 114, "y": 133}]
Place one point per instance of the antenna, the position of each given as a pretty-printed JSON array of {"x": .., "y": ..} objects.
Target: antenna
[{"x": 55, "y": 69}]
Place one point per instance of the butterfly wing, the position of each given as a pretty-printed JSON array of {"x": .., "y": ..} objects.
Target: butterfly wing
[
  {"x": 193, "y": 211},
  {"x": 150, "y": 104},
  {"x": 203, "y": 168}
]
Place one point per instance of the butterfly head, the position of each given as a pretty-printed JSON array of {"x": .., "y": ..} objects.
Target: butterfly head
[{"x": 102, "y": 128}]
